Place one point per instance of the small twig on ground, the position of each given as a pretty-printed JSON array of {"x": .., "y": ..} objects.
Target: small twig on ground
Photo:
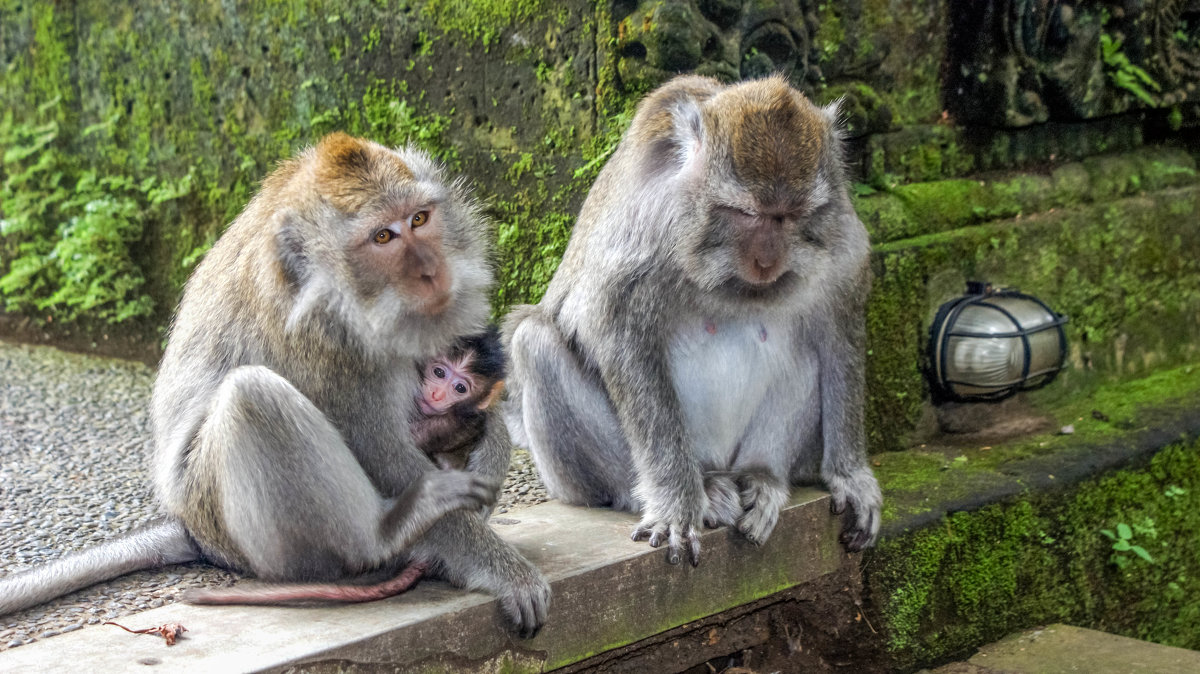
[{"x": 169, "y": 631}]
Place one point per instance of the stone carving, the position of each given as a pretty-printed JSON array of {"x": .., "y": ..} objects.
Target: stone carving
[
  {"x": 1019, "y": 62},
  {"x": 726, "y": 39}
]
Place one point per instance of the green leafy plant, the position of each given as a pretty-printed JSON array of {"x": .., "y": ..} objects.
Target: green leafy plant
[
  {"x": 1122, "y": 540},
  {"x": 1123, "y": 73},
  {"x": 68, "y": 231}
]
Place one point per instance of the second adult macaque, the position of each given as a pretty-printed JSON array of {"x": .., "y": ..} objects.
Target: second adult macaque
[
  {"x": 701, "y": 346},
  {"x": 281, "y": 409},
  {"x": 457, "y": 389}
]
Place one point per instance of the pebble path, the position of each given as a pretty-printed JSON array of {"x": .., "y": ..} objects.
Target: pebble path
[{"x": 73, "y": 433}]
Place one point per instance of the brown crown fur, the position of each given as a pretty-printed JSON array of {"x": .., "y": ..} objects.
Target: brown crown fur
[
  {"x": 775, "y": 134},
  {"x": 350, "y": 171}
]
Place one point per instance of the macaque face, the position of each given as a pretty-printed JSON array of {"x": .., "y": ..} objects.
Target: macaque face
[
  {"x": 446, "y": 383},
  {"x": 402, "y": 249}
]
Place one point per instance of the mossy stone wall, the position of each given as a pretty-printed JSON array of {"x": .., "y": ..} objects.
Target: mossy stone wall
[
  {"x": 205, "y": 98},
  {"x": 977, "y": 576}
]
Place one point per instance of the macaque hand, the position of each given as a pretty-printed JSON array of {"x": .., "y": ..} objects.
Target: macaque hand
[{"x": 461, "y": 489}]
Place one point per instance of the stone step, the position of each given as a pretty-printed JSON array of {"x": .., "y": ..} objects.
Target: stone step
[{"x": 1063, "y": 649}]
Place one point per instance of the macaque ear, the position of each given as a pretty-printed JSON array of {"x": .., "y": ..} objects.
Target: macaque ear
[
  {"x": 492, "y": 396},
  {"x": 293, "y": 257},
  {"x": 833, "y": 114},
  {"x": 677, "y": 136}
]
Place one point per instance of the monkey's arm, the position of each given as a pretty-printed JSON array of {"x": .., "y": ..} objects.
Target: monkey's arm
[
  {"x": 442, "y": 433},
  {"x": 492, "y": 453},
  {"x": 634, "y": 369},
  {"x": 842, "y": 354}
]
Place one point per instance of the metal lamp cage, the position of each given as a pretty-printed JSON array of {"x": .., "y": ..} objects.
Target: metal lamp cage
[{"x": 992, "y": 343}]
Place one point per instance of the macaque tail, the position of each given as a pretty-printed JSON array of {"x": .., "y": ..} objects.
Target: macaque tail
[
  {"x": 284, "y": 594},
  {"x": 157, "y": 543}
]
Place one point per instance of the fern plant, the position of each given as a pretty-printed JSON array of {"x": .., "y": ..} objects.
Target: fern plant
[{"x": 1123, "y": 73}]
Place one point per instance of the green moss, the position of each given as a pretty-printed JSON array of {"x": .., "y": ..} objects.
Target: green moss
[
  {"x": 915, "y": 38},
  {"x": 51, "y": 58},
  {"x": 831, "y": 31},
  {"x": 978, "y": 575},
  {"x": 919, "y": 479},
  {"x": 535, "y": 222},
  {"x": 483, "y": 20}
]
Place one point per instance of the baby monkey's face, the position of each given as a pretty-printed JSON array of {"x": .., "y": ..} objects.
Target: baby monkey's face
[{"x": 445, "y": 383}]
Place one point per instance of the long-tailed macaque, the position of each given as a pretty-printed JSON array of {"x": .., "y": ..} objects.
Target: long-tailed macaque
[
  {"x": 701, "y": 346},
  {"x": 457, "y": 389},
  {"x": 280, "y": 412}
]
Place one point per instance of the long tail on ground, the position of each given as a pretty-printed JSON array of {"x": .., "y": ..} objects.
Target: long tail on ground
[
  {"x": 160, "y": 542},
  {"x": 301, "y": 593}
]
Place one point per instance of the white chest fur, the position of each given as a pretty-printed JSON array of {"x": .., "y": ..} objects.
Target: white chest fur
[{"x": 722, "y": 373}]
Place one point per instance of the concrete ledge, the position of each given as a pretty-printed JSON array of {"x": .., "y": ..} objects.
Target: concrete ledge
[{"x": 608, "y": 592}]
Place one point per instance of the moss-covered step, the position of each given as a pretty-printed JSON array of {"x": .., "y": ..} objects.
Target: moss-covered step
[
  {"x": 1126, "y": 272},
  {"x": 917, "y": 209},
  {"x": 1099, "y": 527}
]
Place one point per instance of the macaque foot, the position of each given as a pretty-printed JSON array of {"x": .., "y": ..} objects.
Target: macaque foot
[
  {"x": 857, "y": 498},
  {"x": 724, "y": 503},
  {"x": 675, "y": 534},
  {"x": 763, "y": 495}
]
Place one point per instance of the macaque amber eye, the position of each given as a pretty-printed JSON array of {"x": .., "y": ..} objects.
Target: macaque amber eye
[
  {"x": 460, "y": 387},
  {"x": 439, "y": 372},
  {"x": 420, "y": 218},
  {"x": 384, "y": 235}
]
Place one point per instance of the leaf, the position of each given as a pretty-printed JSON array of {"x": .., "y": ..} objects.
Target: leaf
[
  {"x": 1109, "y": 533},
  {"x": 1141, "y": 552},
  {"x": 1121, "y": 546},
  {"x": 1124, "y": 531}
]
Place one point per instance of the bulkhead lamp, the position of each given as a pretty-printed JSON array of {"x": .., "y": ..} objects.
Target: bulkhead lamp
[{"x": 991, "y": 343}]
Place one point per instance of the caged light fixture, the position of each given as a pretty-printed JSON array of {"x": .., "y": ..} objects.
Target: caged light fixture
[{"x": 991, "y": 343}]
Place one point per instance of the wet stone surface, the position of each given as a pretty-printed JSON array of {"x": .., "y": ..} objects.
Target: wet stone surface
[{"x": 74, "y": 431}]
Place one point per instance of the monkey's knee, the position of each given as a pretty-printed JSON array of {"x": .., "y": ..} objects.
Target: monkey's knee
[
  {"x": 257, "y": 392},
  {"x": 535, "y": 341},
  {"x": 258, "y": 410}
]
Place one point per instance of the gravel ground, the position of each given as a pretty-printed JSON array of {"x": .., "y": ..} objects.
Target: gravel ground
[{"x": 73, "y": 432}]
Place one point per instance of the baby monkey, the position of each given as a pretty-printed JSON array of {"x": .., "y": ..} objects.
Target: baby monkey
[{"x": 456, "y": 390}]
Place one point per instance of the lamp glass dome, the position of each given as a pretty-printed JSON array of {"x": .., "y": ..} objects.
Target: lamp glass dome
[{"x": 990, "y": 344}]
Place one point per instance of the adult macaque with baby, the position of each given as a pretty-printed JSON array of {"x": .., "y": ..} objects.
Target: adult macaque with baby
[
  {"x": 701, "y": 346},
  {"x": 282, "y": 446}
]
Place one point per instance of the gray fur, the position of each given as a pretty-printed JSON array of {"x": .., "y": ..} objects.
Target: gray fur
[{"x": 651, "y": 379}]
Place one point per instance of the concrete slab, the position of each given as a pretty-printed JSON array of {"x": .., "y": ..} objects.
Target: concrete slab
[
  {"x": 608, "y": 592},
  {"x": 1063, "y": 649}
]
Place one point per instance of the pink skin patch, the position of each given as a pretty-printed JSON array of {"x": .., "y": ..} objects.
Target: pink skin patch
[
  {"x": 762, "y": 333},
  {"x": 444, "y": 384},
  {"x": 710, "y": 327}
]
